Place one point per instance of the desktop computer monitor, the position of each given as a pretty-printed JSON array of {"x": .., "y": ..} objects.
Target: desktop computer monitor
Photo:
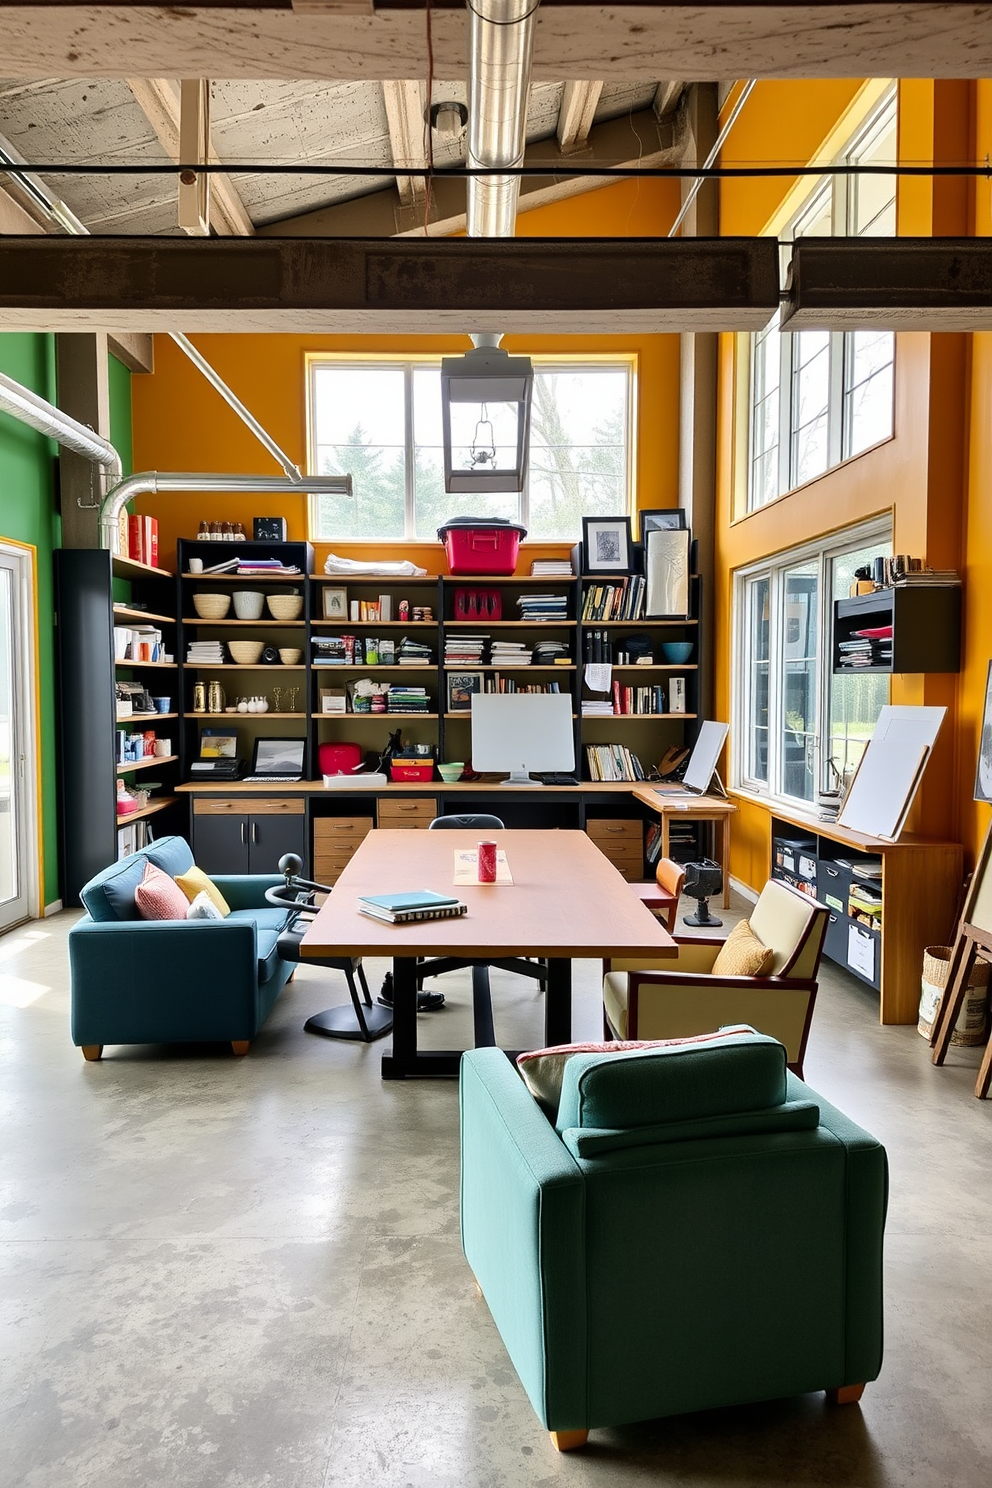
[
  {"x": 522, "y": 731},
  {"x": 705, "y": 753}
]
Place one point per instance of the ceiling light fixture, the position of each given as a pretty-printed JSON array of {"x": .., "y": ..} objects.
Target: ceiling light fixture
[{"x": 485, "y": 413}]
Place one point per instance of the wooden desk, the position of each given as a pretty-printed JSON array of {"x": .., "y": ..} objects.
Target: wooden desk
[
  {"x": 566, "y": 900},
  {"x": 696, "y": 808}
]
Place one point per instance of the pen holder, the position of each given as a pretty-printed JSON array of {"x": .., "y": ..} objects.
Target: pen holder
[{"x": 487, "y": 862}]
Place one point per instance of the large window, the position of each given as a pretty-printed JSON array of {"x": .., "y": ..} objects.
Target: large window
[
  {"x": 380, "y": 422},
  {"x": 804, "y": 729},
  {"x": 818, "y": 398}
]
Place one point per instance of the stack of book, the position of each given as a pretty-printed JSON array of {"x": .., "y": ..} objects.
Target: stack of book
[
  {"x": 510, "y": 653},
  {"x": 867, "y": 648},
  {"x": 623, "y": 600},
  {"x": 205, "y": 653},
  {"x": 543, "y": 608},
  {"x": 418, "y": 904},
  {"x": 413, "y": 653},
  {"x": 327, "y": 651},
  {"x": 401, "y": 699},
  {"x": 597, "y": 708},
  {"x": 462, "y": 649},
  {"x": 263, "y": 567},
  {"x": 551, "y": 568},
  {"x": 613, "y": 762},
  {"x": 932, "y": 578},
  {"x": 550, "y": 653}
]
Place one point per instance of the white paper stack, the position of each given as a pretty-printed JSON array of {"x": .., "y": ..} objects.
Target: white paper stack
[{"x": 205, "y": 653}]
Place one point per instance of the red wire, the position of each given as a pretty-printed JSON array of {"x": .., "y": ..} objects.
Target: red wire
[{"x": 427, "y": 121}]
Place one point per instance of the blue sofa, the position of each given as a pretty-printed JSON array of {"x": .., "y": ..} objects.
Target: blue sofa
[
  {"x": 696, "y": 1228},
  {"x": 137, "y": 981}
]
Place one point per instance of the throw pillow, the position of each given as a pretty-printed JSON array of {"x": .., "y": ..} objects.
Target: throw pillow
[
  {"x": 194, "y": 881},
  {"x": 742, "y": 954},
  {"x": 159, "y": 897},
  {"x": 203, "y": 908}
]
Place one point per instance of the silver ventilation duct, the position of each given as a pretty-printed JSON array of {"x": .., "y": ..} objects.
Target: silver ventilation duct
[
  {"x": 31, "y": 409},
  {"x": 501, "y": 46}
]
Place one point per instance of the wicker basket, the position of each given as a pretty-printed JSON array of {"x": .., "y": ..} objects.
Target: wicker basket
[
  {"x": 290, "y": 655},
  {"x": 970, "y": 1027},
  {"x": 246, "y": 653},
  {"x": 285, "y": 606},
  {"x": 211, "y": 606}
]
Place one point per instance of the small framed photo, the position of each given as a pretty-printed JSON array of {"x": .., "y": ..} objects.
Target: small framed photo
[
  {"x": 461, "y": 686},
  {"x": 606, "y": 545},
  {"x": 668, "y": 516},
  {"x": 335, "y": 604}
]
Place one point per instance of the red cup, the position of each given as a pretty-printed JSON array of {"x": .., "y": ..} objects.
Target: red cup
[{"x": 487, "y": 862}]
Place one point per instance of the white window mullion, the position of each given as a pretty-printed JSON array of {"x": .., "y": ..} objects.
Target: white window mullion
[
  {"x": 835, "y": 407},
  {"x": 410, "y": 475}
]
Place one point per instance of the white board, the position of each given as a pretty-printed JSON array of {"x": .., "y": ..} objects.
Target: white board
[{"x": 891, "y": 768}]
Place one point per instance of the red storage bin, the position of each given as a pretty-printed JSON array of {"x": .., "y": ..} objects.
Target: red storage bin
[
  {"x": 411, "y": 769},
  {"x": 482, "y": 545}
]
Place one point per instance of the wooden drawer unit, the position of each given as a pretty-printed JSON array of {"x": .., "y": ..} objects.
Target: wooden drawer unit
[
  {"x": 413, "y": 814},
  {"x": 621, "y": 839},
  {"x": 248, "y": 805},
  {"x": 335, "y": 839}
]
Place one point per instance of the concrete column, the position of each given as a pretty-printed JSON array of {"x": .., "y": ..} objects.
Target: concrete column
[
  {"x": 698, "y": 406},
  {"x": 84, "y": 393}
]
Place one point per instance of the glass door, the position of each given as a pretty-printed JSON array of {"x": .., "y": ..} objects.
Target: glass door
[{"x": 15, "y": 682}]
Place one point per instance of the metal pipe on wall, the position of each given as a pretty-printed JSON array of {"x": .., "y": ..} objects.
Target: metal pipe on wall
[
  {"x": 233, "y": 401},
  {"x": 501, "y": 47},
  {"x": 31, "y": 409}
]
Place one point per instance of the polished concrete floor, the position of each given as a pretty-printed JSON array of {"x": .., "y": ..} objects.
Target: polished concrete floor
[{"x": 245, "y": 1273}]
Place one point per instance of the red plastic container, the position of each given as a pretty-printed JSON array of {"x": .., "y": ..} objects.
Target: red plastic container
[
  {"x": 482, "y": 545},
  {"x": 339, "y": 759},
  {"x": 411, "y": 769}
]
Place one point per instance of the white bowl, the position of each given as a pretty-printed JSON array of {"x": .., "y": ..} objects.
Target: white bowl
[{"x": 248, "y": 604}]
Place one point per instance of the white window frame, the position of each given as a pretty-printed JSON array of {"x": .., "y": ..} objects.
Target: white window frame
[
  {"x": 823, "y": 552},
  {"x": 627, "y": 362},
  {"x": 841, "y": 192}
]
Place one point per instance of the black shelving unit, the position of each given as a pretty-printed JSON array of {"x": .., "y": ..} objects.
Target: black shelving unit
[{"x": 925, "y": 621}]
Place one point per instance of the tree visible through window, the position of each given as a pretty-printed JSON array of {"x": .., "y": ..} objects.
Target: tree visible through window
[{"x": 381, "y": 424}]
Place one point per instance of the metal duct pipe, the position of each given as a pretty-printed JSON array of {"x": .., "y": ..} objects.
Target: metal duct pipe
[
  {"x": 22, "y": 404},
  {"x": 217, "y": 382},
  {"x": 150, "y": 482},
  {"x": 501, "y": 46}
]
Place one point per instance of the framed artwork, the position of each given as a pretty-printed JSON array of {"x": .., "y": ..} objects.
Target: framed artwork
[
  {"x": 461, "y": 686},
  {"x": 335, "y": 604},
  {"x": 983, "y": 771},
  {"x": 606, "y": 545},
  {"x": 668, "y": 516},
  {"x": 666, "y": 568}
]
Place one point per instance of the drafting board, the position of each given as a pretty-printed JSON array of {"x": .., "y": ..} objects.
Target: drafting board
[
  {"x": 974, "y": 938},
  {"x": 890, "y": 771}
]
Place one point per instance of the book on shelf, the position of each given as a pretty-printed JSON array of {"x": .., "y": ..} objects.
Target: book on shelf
[
  {"x": 228, "y": 566},
  {"x": 616, "y": 601},
  {"x": 613, "y": 762},
  {"x": 634, "y": 700},
  {"x": 142, "y": 540},
  {"x": 551, "y": 568},
  {"x": 543, "y": 609}
]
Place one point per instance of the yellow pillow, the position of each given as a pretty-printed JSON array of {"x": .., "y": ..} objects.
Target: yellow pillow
[
  {"x": 195, "y": 881},
  {"x": 742, "y": 954}
]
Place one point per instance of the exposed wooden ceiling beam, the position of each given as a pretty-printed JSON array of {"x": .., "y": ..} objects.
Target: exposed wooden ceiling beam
[
  {"x": 636, "y": 139},
  {"x": 158, "y": 99},
  {"x": 901, "y": 284},
  {"x": 709, "y": 42},
  {"x": 411, "y": 285},
  {"x": 15, "y": 218},
  {"x": 135, "y": 350},
  {"x": 404, "y": 101},
  {"x": 578, "y": 107}
]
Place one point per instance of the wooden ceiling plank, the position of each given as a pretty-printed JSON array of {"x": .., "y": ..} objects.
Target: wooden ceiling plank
[
  {"x": 404, "y": 102},
  {"x": 579, "y": 102}
]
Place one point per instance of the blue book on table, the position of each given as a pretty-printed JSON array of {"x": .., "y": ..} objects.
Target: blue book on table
[{"x": 415, "y": 899}]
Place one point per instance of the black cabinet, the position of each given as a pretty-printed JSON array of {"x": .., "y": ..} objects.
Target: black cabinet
[
  {"x": 230, "y": 837},
  {"x": 923, "y": 627}
]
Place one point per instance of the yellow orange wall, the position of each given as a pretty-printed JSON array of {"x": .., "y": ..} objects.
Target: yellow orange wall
[
  {"x": 927, "y": 476},
  {"x": 180, "y": 423}
]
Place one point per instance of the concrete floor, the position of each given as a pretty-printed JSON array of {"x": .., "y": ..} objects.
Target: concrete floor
[{"x": 224, "y": 1273}]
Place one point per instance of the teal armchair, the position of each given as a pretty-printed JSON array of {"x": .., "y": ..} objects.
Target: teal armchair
[
  {"x": 135, "y": 981},
  {"x": 697, "y": 1228}
]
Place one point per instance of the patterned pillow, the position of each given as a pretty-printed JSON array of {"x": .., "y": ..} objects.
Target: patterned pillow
[
  {"x": 742, "y": 954},
  {"x": 542, "y": 1070},
  {"x": 203, "y": 908},
  {"x": 195, "y": 882},
  {"x": 159, "y": 897}
]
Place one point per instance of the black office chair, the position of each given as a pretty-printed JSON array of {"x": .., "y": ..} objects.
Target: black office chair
[
  {"x": 478, "y": 821},
  {"x": 362, "y": 1020}
]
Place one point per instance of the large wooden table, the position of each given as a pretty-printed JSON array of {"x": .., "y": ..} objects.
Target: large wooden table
[{"x": 566, "y": 900}]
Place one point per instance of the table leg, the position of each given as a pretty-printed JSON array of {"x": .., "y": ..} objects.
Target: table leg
[
  {"x": 558, "y": 1003},
  {"x": 664, "y": 833},
  {"x": 723, "y": 825},
  {"x": 403, "y": 1059}
]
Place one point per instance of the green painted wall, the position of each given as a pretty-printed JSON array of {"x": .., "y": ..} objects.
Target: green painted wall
[
  {"x": 27, "y": 514},
  {"x": 28, "y": 472}
]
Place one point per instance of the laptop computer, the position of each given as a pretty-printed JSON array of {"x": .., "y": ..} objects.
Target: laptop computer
[{"x": 277, "y": 760}]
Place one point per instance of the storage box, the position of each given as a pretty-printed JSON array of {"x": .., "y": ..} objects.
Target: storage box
[
  {"x": 482, "y": 545},
  {"x": 411, "y": 769}
]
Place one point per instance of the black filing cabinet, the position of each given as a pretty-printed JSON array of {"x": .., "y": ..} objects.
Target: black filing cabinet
[{"x": 233, "y": 836}]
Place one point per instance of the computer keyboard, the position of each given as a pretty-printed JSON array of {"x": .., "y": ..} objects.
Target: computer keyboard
[
  {"x": 276, "y": 779},
  {"x": 547, "y": 779}
]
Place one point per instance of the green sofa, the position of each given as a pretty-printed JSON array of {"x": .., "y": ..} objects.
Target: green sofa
[
  {"x": 137, "y": 981},
  {"x": 697, "y": 1228}
]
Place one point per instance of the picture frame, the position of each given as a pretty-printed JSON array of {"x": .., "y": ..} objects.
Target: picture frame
[
  {"x": 666, "y": 569},
  {"x": 606, "y": 545},
  {"x": 461, "y": 687},
  {"x": 983, "y": 765},
  {"x": 661, "y": 517},
  {"x": 335, "y": 604}
]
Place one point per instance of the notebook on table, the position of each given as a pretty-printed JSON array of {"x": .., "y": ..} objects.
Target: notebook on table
[{"x": 416, "y": 904}]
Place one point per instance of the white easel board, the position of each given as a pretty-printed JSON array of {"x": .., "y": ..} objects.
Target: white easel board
[{"x": 890, "y": 771}]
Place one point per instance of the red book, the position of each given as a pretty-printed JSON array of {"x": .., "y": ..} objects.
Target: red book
[
  {"x": 616, "y": 698},
  {"x": 149, "y": 541},
  {"x": 134, "y": 538}
]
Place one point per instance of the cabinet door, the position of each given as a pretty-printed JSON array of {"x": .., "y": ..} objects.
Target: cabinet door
[
  {"x": 220, "y": 843},
  {"x": 270, "y": 836}
]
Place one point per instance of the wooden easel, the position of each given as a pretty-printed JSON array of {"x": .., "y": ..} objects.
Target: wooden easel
[{"x": 974, "y": 939}]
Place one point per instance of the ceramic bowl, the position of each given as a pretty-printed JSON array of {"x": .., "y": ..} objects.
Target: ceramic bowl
[
  {"x": 248, "y": 604},
  {"x": 246, "y": 653},
  {"x": 676, "y": 651},
  {"x": 451, "y": 772},
  {"x": 285, "y": 606},
  {"x": 211, "y": 606}
]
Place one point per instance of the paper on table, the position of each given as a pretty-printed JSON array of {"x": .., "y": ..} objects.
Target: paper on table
[
  {"x": 861, "y": 952},
  {"x": 467, "y": 867}
]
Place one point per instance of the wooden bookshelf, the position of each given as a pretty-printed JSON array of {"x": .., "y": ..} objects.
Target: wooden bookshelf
[
  {"x": 147, "y": 764},
  {"x": 161, "y": 803}
]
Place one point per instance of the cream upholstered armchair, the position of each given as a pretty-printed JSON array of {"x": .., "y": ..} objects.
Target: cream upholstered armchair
[{"x": 641, "y": 1001}]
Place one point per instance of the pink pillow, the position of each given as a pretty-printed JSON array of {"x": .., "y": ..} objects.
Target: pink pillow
[{"x": 159, "y": 897}]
